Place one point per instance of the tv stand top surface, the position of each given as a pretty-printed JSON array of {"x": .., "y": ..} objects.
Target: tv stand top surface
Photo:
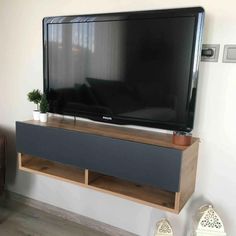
[{"x": 125, "y": 133}]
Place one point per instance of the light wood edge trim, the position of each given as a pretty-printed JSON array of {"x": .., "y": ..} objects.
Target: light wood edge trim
[
  {"x": 187, "y": 184},
  {"x": 19, "y": 160},
  {"x": 86, "y": 173},
  {"x": 177, "y": 201},
  {"x": 133, "y": 199}
]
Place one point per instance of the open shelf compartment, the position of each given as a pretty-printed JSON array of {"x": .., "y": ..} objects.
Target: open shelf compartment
[
  {"x": 144, "y": 194},
  {"x": 56, "y": 170}
]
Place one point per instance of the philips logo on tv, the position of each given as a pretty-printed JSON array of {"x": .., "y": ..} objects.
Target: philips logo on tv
[{"x": 106, "y": 118}]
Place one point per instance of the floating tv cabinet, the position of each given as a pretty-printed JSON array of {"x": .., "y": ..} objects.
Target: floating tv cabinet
[{"x": 138, "y": 165}]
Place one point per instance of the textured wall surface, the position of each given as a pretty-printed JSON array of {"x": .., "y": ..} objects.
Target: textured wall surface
[{"x": 21, "y": 71}]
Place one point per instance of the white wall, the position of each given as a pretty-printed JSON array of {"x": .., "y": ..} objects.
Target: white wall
[{"x": 21, "y": 71}]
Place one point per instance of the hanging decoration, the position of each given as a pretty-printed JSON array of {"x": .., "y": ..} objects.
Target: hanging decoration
[
  {"x": 208, "y": 222},
  {"x": 164, "y": 228}
]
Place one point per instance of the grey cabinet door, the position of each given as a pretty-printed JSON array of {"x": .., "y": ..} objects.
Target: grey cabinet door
[{"x": 136, "y": 162}]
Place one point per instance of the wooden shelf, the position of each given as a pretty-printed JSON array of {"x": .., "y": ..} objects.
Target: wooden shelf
[
  {"x": 52, "y": 169},
  {"x": 147, "y": 195},
  {"x": 143, "y": 194}
]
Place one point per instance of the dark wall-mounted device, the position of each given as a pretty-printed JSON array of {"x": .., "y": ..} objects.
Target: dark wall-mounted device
[{"x": 138, "y": 68}]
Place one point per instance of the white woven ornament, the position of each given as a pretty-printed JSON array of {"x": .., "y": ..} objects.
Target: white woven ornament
[
  {"x": 208, "y": 222},
  {"x": 164, "y": 228}
]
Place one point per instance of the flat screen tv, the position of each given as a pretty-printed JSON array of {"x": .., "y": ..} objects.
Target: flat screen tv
[{"x": 135, "y": 68}]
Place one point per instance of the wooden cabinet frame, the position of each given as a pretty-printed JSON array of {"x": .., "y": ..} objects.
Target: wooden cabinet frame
[{"x": 102, "y": 180}]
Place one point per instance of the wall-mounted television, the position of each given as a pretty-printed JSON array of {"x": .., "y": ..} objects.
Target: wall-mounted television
[{"x": 136, "y": 68}]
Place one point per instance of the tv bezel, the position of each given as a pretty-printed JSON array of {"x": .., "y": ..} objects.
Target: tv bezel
[{"x": 197, "y": 12}]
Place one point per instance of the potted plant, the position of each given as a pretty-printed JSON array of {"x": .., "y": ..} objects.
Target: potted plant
[
  {"x": 35, "y": 97},
  {"x": 44, "y": 107}
]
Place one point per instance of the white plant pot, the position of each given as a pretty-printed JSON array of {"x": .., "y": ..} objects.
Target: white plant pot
[
  {"x": 43, "y": 117},
  {"x": 36, "y": 115}
]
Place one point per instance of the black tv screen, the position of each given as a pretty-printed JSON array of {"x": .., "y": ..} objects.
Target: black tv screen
[{"x": 137, "y": 68}]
